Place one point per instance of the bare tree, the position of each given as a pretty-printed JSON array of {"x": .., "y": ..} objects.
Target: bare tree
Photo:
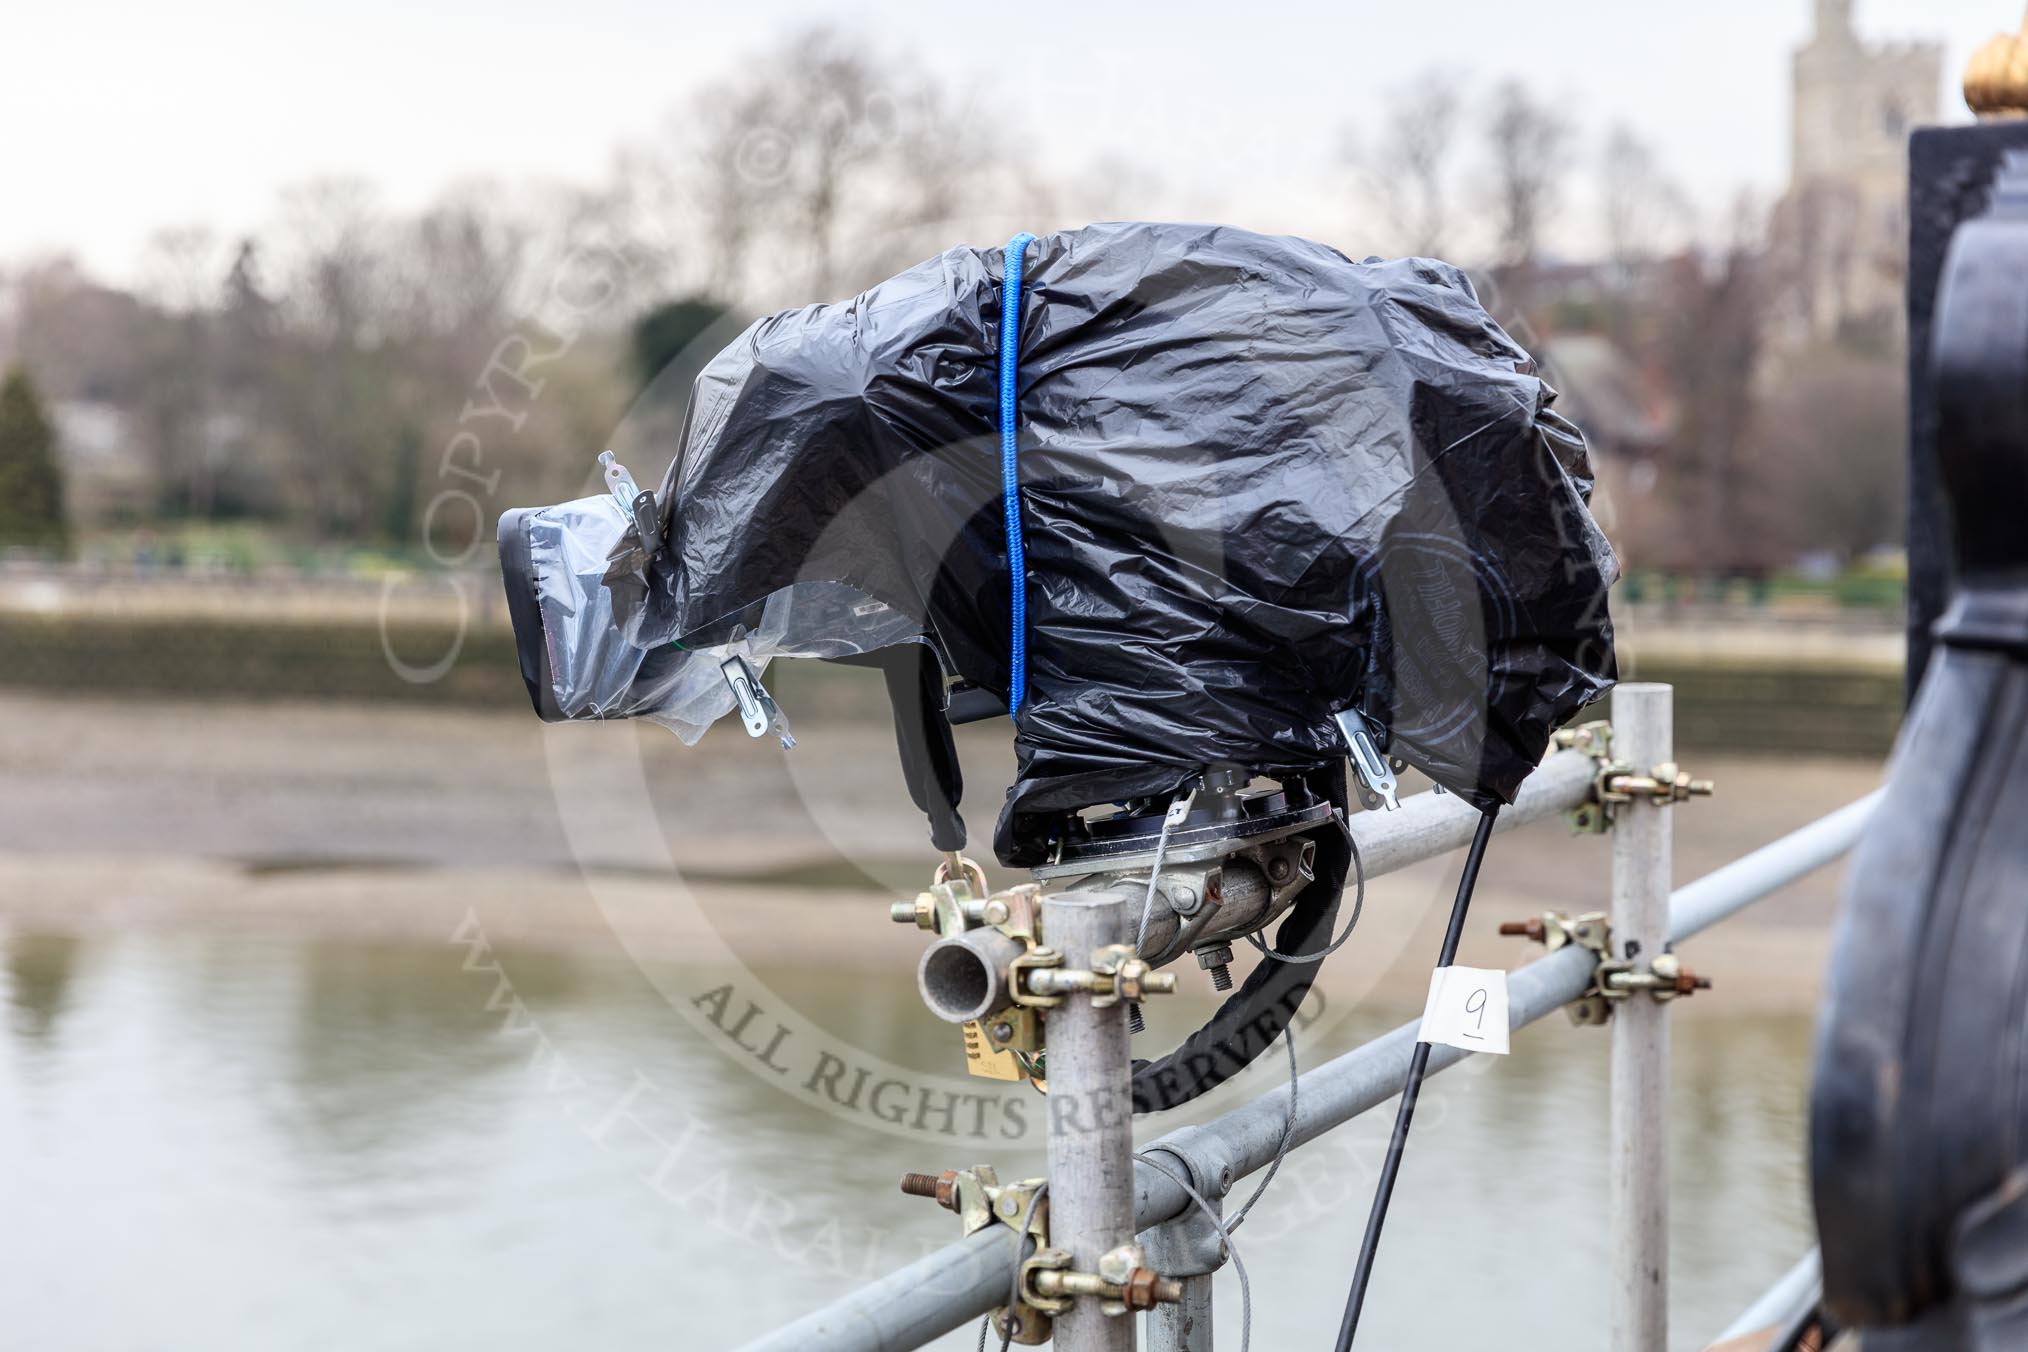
[
  {"x": 331, "y": 258},
  {"x": 1721, "y": 520},
  {"x": 1526, "y": 144},
  {"x": 1827, "y": 447},
  {"x": 1408, "y": 170},
  {"x": 817, "y": 155},
  {"x": 1643, "y": 215},
  {"x": 459, "y": 268},
  {"x": 82, "y": 339},
  {"x": 180, "y": 265},
  {"x": 1642, "y": 210}
]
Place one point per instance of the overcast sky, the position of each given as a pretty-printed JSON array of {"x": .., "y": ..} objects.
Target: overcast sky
[{"x": 118, "y": 117}]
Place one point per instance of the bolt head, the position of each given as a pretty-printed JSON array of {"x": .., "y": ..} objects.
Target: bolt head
[
  {"x": 1214, "y": 955},
  {"x": 1003, "y": 1031},
  {"x": 1138, "y": 1291},
  {"x": 1118, "y": 1265}
]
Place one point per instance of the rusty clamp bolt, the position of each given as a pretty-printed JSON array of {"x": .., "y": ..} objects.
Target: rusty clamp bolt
[
  {"x": 1116, "y": 974},
  {"x": 1554, "y": 929},
  {"x": 942, "y": 1187},
  {"x": 1666, "y": 979},
  {"x": 1145, "y": 1288},
  {"x": 1616, "y": 782},
  {"x": 1134, "y": 978},
  {"x": 1123, "y": 1283},
  {"x": 921, "y": 912},
  {"x": 1614, "y": 979},
  {"x": 1666, "y": 783}
]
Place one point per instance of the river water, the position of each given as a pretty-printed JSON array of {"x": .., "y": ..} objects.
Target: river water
[{"x": 225, "y": 1143}]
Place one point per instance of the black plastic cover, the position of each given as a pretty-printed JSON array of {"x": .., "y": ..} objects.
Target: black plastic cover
[{"x": 1260, "y": 483}]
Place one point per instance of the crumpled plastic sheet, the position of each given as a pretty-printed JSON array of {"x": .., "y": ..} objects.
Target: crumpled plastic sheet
[
  {"x": 596, "y": 673},
  {"x": 1261, "y": 483}
]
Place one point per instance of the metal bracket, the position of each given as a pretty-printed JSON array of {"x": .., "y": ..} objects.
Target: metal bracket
[
  {"x": 955, "y": 865},
  {"x": 1614, "y": 782},
  {"x": 639, "y": 505},
  {"x": 1665, "y": 979},
  {"x": 1037, "y": 979},
  {"x": 757, "y": 708},
  {"x": 953, "y": 904},
  {"x": 1021, "y": 972},
  {"x": 1613, "y": 979},
  {"x": 1123, "y": 1284},
  {"x": 981, "y": 1200},
  {"x": 1375, "y": 772},
  {"x": 1116, "y": 973},
  {"x": 1190, "y": 1245}
]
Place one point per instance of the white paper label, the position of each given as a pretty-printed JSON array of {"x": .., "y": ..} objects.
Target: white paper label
[{"x": 1467, "y": 1008}]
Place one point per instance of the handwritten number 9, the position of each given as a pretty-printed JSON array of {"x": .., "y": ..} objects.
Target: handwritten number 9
[{"x": 1475, "y": 1003}]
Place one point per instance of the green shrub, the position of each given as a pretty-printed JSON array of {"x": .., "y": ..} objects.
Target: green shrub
[{"x": 31, "y": 481}]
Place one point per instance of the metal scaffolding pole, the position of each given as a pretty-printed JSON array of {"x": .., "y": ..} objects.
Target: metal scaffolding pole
[
  {"x": 1638, "y": 1192},
  {"x": 1190, "y": 1248},
  {"x": 964, "y": 1280},
  {"x": 1091, "y": 1117}
]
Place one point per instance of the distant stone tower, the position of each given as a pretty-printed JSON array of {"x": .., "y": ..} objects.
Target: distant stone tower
[{"x": 1841, "y": 232}]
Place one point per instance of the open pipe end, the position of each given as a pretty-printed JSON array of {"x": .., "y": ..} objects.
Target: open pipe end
[{"x": 965, "y": 977}]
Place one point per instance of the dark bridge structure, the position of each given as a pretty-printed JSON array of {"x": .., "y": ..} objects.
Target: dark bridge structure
[{"x": 1919, "y": 1122}]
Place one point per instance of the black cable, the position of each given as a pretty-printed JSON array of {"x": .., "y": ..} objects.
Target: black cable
[{"x": 1418, "y": 1063}]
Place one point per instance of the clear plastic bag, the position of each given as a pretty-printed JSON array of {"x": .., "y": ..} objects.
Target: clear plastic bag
[{"x": 578, "y": 665}]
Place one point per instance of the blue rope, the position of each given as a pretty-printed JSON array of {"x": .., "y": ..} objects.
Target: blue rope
[{"x": 1010, "y": 475}]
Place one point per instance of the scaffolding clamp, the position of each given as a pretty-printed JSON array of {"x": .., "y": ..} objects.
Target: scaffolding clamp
[
  {"x": 1116, "y": 973},
  {"x": 1616, "y": 782},
  {"x": 981, "y": 1200},
  {"x": 1614, "y": 979},
  {"x": 1124, "y": 1284}
]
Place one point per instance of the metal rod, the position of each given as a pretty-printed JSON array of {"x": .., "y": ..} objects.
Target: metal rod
[
  {"x": 1091, "y": 1117},
  {"x": 964, "y": 1280},
  {"x": 1637, "y": 1197},
  {"x": 1431, "y": 824},
  {"x": 1404, "y": 1116}
]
